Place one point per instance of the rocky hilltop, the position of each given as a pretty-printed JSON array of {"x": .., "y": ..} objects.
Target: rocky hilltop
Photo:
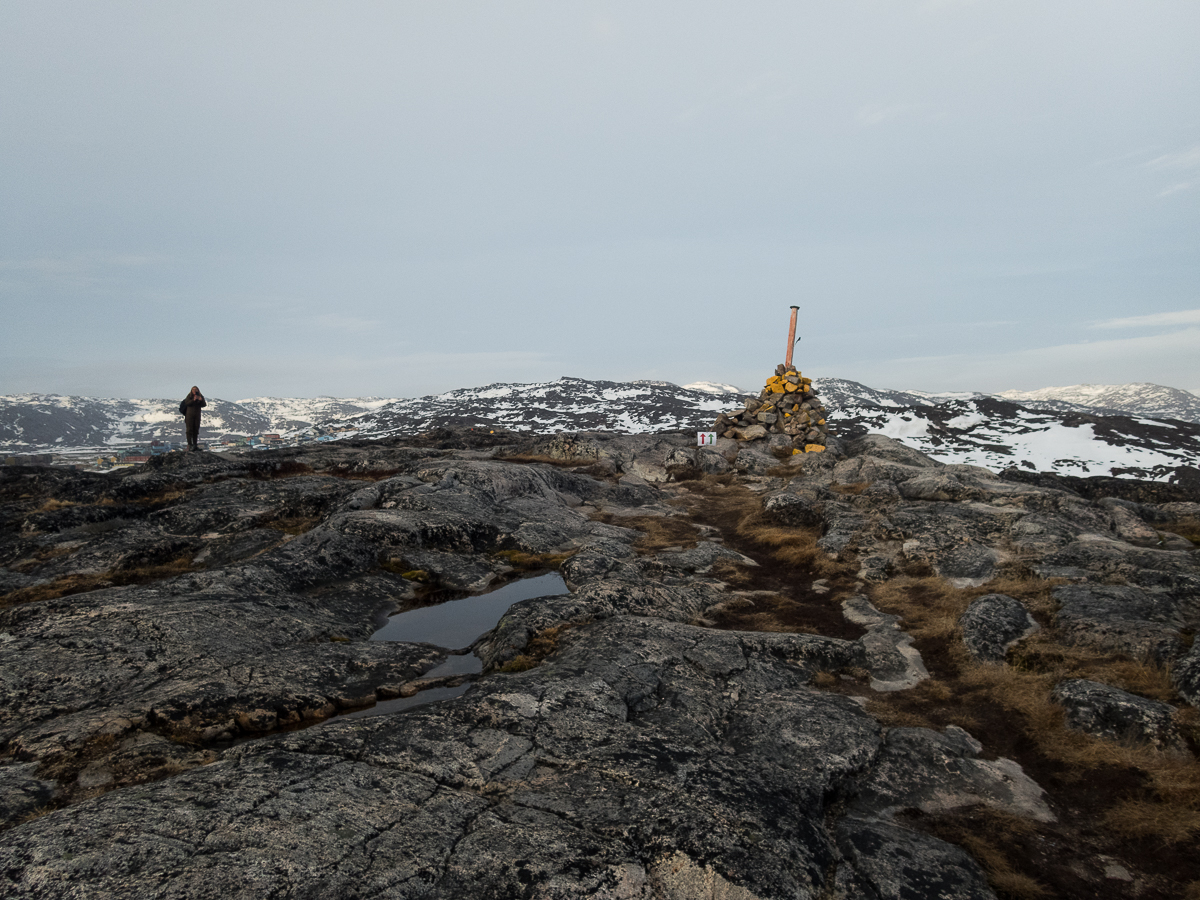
[{"x": 856, "y": 674}]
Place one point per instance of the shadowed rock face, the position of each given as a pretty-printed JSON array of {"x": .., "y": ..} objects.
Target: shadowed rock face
[
  {"x": 992, "y": 624},
  {"x": 645, "y": 756}
]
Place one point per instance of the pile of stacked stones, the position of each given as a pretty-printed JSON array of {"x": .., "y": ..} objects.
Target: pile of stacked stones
[{"x": 787, "y": 405}]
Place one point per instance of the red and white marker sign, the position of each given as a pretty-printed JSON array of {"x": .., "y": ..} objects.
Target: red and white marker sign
[{"x": 705, "y": 438}]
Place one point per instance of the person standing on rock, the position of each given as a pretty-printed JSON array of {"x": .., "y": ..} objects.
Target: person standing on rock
[{"x": 190, "y": 407}]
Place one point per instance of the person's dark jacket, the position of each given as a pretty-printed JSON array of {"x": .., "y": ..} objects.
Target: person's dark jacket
[{"x": 191, "y": 408}]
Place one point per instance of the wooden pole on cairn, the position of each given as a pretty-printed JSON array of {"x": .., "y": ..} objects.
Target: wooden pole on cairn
[{"x": 787, "y": 362}]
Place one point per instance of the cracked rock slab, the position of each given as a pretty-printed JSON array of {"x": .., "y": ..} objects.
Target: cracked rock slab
[{"x": 644, "y": 744}]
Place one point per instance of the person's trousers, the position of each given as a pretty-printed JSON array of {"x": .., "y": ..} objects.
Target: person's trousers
[{"x": 193, "y": 431}]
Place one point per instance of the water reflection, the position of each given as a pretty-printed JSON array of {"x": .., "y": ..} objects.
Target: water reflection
[
  {"x": 457, "y": 623},
  {"x": 386, "y": 707}
]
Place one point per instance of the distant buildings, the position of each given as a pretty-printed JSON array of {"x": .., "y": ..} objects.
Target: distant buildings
[{"x": 30, "y": 459}]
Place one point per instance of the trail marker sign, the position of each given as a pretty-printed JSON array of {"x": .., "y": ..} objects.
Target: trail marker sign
[{"x": 705, "y": 438}]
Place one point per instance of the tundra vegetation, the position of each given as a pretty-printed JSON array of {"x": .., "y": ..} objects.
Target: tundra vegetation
[{"x": 849, "y": 674}]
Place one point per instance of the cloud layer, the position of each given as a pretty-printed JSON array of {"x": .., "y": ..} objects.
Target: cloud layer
[{"x": 401, "y": 199}]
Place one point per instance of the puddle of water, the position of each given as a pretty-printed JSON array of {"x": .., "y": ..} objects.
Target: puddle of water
[
  {"x": 467, "y": 664},
  {"x": 454, "y": 624},
  {"x": 386, "y": 707},
  {"x": 457, "y": 623}
]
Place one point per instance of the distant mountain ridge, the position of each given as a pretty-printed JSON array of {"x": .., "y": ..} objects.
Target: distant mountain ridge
[
  {"x": 1150, "y": 401},
  {"x": 1044, "y": 433}
]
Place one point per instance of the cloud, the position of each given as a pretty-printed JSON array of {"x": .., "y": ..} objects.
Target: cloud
[
  {"x": 1184, "y": 317},
  {"x": 278, "y": 374},
  {"x": 877, "y": 115},
  {"x": 1176, "y": 188},
  {"x": 337, "y": 322},
  {"x": 80, "y": 262},
  {"x": 1166, "y": 359},
  {"x": 1182, "y": 161},
  {"x": 1185, "y": 159}
]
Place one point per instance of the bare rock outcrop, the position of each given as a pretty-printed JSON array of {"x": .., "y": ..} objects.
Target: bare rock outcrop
[{"x": 615, "y": 744}]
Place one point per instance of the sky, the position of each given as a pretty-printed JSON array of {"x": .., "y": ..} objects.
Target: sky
[{"x": 401, "y": 198}]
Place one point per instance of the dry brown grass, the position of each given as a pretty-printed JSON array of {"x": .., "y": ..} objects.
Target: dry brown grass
[
  {"x": 825, "y": 679},
  {"x": 659, "y": 532},
  {"x": 42, "y": 555},
  {"x": 293, "y": 524},
  {"x": 364, "y": 475},
  {"x": 36, "y": 813},
  {"x": 738, "y": 510},
  {"x": 547, "y": 460},
  {"x": 288, "y": 469},
  {"x": 857, "y": 487},
  {"x": 1188, "y": 527},
  {"x": 1149, "y": 796},
  {"x": 79, "y": 584},
  {"x": 1154, "y": 820},
  {"x": 793, "y": 546},
  {"x": 533, "y": 562},
  {"x": 54, "y": 504},
  {"x": 540, "y": 646},
  {"x": 399, "y": 566},
  {"x": 993, "y": 838},
  {"x": 160, "y": 498}
]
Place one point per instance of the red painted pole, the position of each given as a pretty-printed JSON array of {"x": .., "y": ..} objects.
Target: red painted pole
[{"x": 791, "y": 337}]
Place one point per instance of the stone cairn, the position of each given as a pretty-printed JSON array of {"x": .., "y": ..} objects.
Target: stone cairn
[{"x": 787, "y": 405}]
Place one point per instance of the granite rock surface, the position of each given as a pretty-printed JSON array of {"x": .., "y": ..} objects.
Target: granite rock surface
[{"x": 178, "y": 647}]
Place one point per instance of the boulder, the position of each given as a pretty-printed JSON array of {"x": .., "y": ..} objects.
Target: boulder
[
  {"x": 711, "y": 462},
  {"x": 887, "y": 448},
  {"x": 967, "y": 564},
  {"x": 1123, "y": 618},
  {"x": 1109, "y": 712},
  {"x": 934, "y": 486},
  {"x": 1169, "y": 540},
  {"x": 992, "y": 624},
  {"x": 1130, "y": 527},
  {"x": 933, "y": 772},
  {"x": 752, "y": 433},
  {"x": 752, "y": 461},
  {"x": 793, "y": 509}
]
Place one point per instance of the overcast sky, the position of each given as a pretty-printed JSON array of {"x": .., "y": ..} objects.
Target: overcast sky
[{"x": 395, "y": 199}]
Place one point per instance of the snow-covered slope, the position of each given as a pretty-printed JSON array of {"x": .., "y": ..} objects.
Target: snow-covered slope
[
  {"x": 712, "y": 387},
  {"x": 40, "y": 421},
  {"x": 840, "y": 393},
  {"x": 569, "y": 404},
  {"x": 288, "y": 414},
  {"x": 1152, "y": 401},
  {"x": 986, "y": 431}
]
